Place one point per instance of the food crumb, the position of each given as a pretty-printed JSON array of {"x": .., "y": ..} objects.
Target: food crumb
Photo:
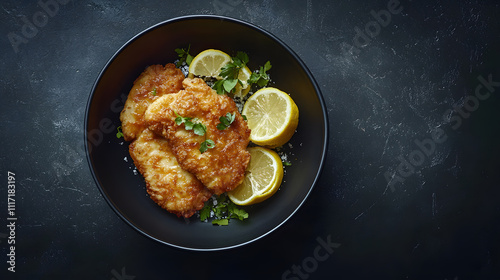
[
  {"x": 284, "y": 157},
  {"x": 185, "y": 69}
]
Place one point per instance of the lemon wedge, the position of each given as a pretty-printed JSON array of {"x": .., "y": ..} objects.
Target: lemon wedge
[
  {"x": 272, "y": 116},
  {"x": 208, "y": 63},
  {"x": 263, "y": 177}
]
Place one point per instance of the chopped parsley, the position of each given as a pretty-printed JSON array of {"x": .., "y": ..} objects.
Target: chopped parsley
[
  {"x": 119, "y": 133},
  {"x": 261, "y": 78},
  {"x": 184, "y": 56},
  {"x": 226, "y": 121},
  {"x": 221, "y": 222},
  {"x": 207, "y": 144},
  {"x": 222, "y": 209},
  {"x": 198, "y": 128},
  {"x": 229, "y": 74}
]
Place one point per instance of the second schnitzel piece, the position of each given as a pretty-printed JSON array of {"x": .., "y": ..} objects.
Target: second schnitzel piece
[
  {"x": 221, "y": 168},
  {"x": 155, "y": 81},
  {"x": 171, "y": 187}
]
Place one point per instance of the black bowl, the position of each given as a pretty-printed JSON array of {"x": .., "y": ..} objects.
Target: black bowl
[{"x": 113, "y": 170}]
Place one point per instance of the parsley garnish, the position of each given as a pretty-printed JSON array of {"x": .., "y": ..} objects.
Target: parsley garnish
[
  {"x": 119, "y": 134},
  {"x": 223, "y": 211},
  {"x": 184, "y": 56},
  {"x": 229, "y": 74},
  {"x": 235, "y": 212},
  {"x": 198, "y": 128},
  {"x": 205, "y": 212},
  {"x": 226, "y": 121},
  {"x": 154, "y": 91},
  {"x": 207, "y": 144},
  {"x": 191, "y": 124},
  {"x": 182, "y": 120},
  {"x": 260, "y": 77},
  {"x": 221, "y": 222},
  {"x": 230, "y": 71}
]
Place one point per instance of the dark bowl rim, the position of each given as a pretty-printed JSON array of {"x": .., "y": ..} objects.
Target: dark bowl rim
[{"x": 211, "y": 17}]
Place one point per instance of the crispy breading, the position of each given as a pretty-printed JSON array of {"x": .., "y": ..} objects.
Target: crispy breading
[
  {"x": 171, "y": 187},
  {"x": 221, "y": 168},
  {"x": 154, "y": 82}
]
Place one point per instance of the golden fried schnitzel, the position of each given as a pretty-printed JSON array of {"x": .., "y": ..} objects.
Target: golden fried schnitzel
[
  {"x": 221, "y": 168},
  {"x": 155, "y": 81},
  {"x": 171, "y": 187}
]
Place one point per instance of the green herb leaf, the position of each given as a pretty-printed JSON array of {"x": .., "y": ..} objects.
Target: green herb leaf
[
  {"x": 219, "y": 87},
  {"x": 287, "y": 163},
  {"x": 188, "y": 125},
  {"x": 229, "y": 84},
  {"x": 220, "y": 210},
  {"x": 180, "y": 119},
  {"x": 242, "y": 57},
  {"x": 119, "y": 134},
  {"x": 221, "y": 222},
  {"x": 226, "y": 121},
  {"x": 261, "y": 78},
  {"x": 199, "y": 129},
  {"x": 222, "y": 199},
  {"x": 254, "y": 77},
  {"x": 267, "y": 66},
  {"x": 235, "y": 212},
  {"x": 189, "y": 58},
  {"x": 207, "y": 144},
  {"x": 223, "y": 211},
  {"x": 184, "y": 56},
  {"x": 191, "y": 124},
  {"x": 231, "y": 117},
  {"x": 205, "y": 212},
  {"x": 229, "y": 74},
  {"x": 230, "y": 71},
  {"x": 154, "y": 91}
]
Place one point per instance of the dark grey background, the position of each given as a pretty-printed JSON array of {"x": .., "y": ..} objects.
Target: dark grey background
[{"x": 392, "y": 91}]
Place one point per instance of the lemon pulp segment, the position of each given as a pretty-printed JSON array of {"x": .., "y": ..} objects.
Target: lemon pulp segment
[
  {"x": 263, "y": 177},
  {"x": 272, "y": 116}
]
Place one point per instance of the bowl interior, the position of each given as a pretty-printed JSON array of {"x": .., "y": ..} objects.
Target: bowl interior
[{"x": 113, "y": 169}]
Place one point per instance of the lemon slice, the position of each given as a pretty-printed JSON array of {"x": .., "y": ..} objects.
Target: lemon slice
[
  {"x": 243, "y": 75},
  {"x": 272, "y": 116},
  {"x": 208, "y": 63},
  {"x": 263, "y": 177}
]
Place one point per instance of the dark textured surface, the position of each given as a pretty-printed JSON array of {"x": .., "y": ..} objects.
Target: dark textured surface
[{"x": 386, "y": 95}]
